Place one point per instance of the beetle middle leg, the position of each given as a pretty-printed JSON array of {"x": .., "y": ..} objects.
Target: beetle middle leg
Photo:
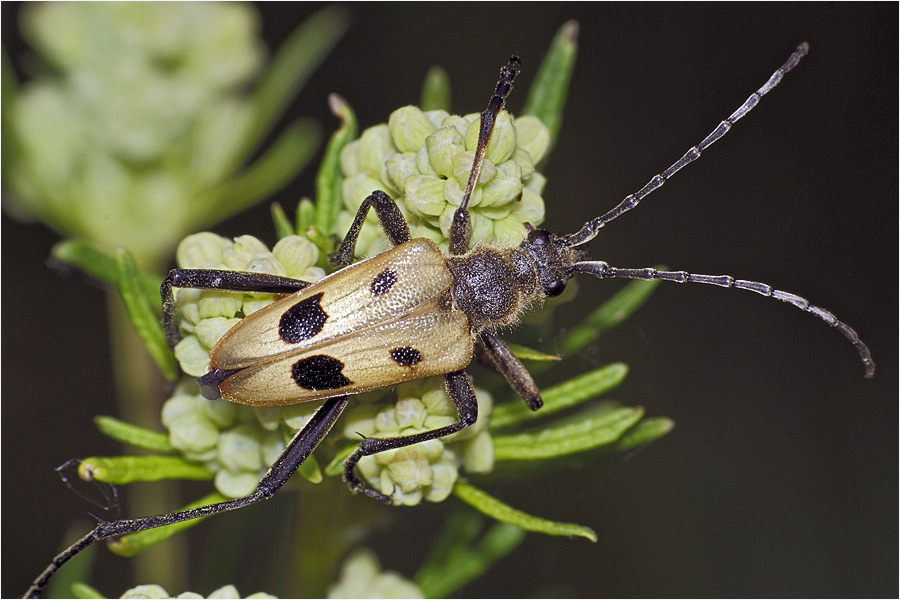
[
  {"x": 461, "y": 393},
  {"x": 390, "y": 217}
]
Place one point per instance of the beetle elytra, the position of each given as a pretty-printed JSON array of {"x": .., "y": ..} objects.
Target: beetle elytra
[{"x": 407, "y": 313}]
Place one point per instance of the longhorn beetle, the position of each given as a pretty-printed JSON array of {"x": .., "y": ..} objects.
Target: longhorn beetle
[{"x": 407, "y": 313}]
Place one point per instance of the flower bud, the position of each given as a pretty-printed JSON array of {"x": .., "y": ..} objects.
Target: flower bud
[
  {"x": 409, "y": 127},
  {"x": 503, "y": 139},
  {"x": 442, "y": 146},
  {"x": 533, "y": 137},
  {"x": 362, "y": 577},
  {"x": 427, "y": 159}
]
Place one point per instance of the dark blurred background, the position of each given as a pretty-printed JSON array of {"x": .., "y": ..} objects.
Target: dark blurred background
[{"x": 780, "y": 478}]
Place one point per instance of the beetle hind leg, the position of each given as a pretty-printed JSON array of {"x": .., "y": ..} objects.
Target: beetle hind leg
[
  {"x": 461, "y": 393},
  {"x": 305, "y": 441}
]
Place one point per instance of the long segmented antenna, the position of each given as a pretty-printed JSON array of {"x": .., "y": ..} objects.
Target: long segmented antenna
[
  {"x": 604, "y": 271},
  {"x": 590, "y": 229},
  {"x": 459, "y": 244}
]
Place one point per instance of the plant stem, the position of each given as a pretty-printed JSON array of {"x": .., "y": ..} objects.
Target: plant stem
[
  {"x": 139, "y": 388},
  {"x": 328, "y": 523}
]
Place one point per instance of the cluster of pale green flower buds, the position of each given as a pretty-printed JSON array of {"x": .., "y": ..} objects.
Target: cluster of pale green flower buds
[
  {"x": 423, "y": 160},
  {"x": 205, "y": 315},
  {"x": 140, "y": 88},
  {"x": 142, "y": 592},
  {"x": 362, "y": 577},
  {"x": 226, "y": 438}
]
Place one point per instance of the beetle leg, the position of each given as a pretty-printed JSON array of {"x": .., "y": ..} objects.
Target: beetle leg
[
  {"x": 212, "y": 279},
  {"x": 298, "y": 450},
  {"x": 512, "y": 370},
  {"x": 392, "y": 221},
  {"x": 461, "y": 393}
]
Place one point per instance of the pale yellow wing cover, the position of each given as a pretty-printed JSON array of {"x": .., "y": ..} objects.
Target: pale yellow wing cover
[{"x": 376, "y": 323}]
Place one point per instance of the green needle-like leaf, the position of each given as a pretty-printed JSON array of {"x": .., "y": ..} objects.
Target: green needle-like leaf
[
  {"x": 436, "y": 90},
  {"x": 607, "y": 315},
  {"x": 139, "y": 437},
  {"x": 297, "y": 58},
  {"x": 283, "y": 227},
  {"x": 310, "y": 471},
  {"x": 328, "y": 181},
  {"x": 306, "y": 216},
  {"x": 524, "y": 353},
  {"x": 121, "y": 470},
  {"x": 547, "y": 94},
  {"x": 561, "y": 396},
  {"x": 133, "y": 543},
  {"x": 281, "y": 162},
  {"x": 460, "y": 557},
  {"x": 336, "y": 466},
  {"x": 644, "y": 432},
  {"x": 142, "y": 316},
  {"x": 590, "y": 429},
  {"x": 84, "y": 592},
  {"x": 101, "y": 266},
  {"x": 490, "y": 506}
]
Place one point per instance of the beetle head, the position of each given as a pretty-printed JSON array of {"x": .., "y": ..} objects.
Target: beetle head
[{"x": 554, "y": 258}]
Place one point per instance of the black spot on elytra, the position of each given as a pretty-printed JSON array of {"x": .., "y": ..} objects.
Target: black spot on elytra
[
  {"x": 303, "y": 320},
  {"x": 406, "y": 356},
  {"x": 319, "y": 372},
  {"x": 383, "y": 282}
]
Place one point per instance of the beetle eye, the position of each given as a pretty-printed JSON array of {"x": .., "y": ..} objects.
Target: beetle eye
[
  {"x": 555, "y": 288},
  {"x": 538, "y": 237}
]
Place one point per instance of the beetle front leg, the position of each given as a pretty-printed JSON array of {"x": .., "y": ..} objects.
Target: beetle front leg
[
  {"x": 213, "y": 279},
  {"x": 459, "y": 388},
  {"x": 461, "y": 228}
]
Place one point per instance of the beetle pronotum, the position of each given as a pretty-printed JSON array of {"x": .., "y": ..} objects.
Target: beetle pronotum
[{"x": 407, "y": 313}]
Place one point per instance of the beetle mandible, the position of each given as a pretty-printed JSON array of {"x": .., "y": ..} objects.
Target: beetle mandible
[{"x": 407, "y": 313}]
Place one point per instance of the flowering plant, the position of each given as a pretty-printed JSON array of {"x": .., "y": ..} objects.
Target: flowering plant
[{"x": 420, "y": 157}]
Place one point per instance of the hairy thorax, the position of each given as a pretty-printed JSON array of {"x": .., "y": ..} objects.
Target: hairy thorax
[{"x": 492, "y": 286}]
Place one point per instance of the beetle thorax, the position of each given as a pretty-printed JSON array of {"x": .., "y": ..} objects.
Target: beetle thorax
[{"x": 493, "y": 286}]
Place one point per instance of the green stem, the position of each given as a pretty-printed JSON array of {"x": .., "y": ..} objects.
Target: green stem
[
  {"x": 321, "y": 537},
  {"x": 139, "y": 388}
]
